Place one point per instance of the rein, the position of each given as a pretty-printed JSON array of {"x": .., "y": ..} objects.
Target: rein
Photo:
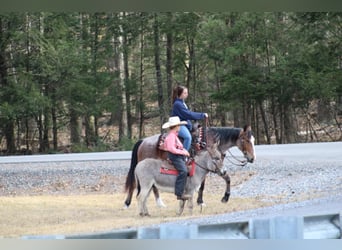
[
  {"x": 207, "y": 169},
  {"x": 240, "y": 163}
]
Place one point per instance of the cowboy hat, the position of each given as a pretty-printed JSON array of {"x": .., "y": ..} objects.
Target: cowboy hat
[{"x": 173, "y": 121}]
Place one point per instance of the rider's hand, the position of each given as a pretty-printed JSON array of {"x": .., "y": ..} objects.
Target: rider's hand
[{"x": 206, "y": 115}]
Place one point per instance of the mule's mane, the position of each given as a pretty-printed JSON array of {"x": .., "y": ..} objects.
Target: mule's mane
[{"x": 224, "y": 134}]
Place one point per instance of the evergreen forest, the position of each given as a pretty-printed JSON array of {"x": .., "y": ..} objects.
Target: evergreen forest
[{"x": 77, "y": 82}]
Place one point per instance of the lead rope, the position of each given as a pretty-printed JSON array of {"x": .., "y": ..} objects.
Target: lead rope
[{"x": 209, "y": 170}]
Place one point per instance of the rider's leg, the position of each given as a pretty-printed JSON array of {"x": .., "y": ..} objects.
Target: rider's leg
[
  {"x": 185, "y": 134},
  {"x": 179, "y": 163}
]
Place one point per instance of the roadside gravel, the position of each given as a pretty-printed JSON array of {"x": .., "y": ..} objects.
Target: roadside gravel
[
  {"x": 267, "y": 179},
  {"x": 62, "y": 178}
]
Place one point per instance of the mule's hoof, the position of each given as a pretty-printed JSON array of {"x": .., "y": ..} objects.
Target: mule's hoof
[
  {"x": 160, "y": 203},
  {"x": 144, "y": 214}
]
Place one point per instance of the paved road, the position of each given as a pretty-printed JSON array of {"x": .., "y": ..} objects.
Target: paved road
[
  {"x": 327, "y": 151},
  {"x": 311, "y": 151},
  {"x": 323, "y": 151}
]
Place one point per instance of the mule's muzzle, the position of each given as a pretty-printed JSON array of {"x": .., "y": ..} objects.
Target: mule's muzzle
[{"x": 222, "y": 172}]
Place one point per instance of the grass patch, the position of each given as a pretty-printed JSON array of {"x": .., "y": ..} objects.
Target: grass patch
[{"x": 50, "y": 215}]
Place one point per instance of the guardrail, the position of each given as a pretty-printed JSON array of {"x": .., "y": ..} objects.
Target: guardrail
[{"x": 326, "y": 226}]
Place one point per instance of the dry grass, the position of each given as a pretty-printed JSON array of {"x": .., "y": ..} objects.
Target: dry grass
[
  {"x": 76, "y": 214},
  {"x": 95, "y": 212},
  {"x": 46, "y": 215}
]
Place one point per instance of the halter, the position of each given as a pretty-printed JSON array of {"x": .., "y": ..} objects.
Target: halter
[{"x": 207, "y": 169}]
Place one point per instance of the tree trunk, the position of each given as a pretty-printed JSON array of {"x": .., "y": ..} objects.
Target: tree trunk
[
  {"x": 289, "y": 128},
  {"x": 46, "y": 144},
  {"x": 141, "y": 89},
  {"x": 190, "y": 66},
  {"x": 264, "y": 121},
  {"x": 158, "y": 68},
  {"x": 6, "y": 123},
  {"x": 90, "y": 126},
  {"x": 117, "y": 114},
  {"x": 169, "y": 59},
  {"x": 89, "y": 131},
  {"x": 275, "y": 121},
  {"x": 9, "y": 135},
  {"x": 127, "y": 86},
  {"x": 74, "y": 127},
  {"x": 54, "y": 126}
]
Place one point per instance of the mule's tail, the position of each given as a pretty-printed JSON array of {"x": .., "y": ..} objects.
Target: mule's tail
[{"x": 130, "y": 179}]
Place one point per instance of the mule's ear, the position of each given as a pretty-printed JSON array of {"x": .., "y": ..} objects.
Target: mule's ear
[{"x": 217, "y": 143}]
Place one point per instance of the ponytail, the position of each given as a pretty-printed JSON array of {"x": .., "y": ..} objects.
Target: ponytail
[{"x": 177, "y": 91}]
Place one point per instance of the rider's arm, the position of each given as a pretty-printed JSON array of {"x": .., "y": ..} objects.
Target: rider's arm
[
  {"x": 185, "y": 114},
  {"x": 173, "y": 145}
]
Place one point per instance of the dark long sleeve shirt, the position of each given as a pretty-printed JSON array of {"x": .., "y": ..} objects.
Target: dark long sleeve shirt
[{"x": 180, "y": 109}]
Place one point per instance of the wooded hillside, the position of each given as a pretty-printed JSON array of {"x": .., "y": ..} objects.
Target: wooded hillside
[{"x": 100, "y": 81}]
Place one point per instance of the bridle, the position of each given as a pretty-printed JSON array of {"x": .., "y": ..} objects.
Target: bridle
[{"x": 238, "y": 162}]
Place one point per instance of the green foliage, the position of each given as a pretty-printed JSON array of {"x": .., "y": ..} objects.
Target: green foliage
[
  {"x": 68, "y": 67},
  {"x": 126, "y": 144}
]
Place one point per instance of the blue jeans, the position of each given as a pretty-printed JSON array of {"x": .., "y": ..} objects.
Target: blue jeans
[
  {"x": 179, "y": 163},
  {"x": 185, "y": 134}
]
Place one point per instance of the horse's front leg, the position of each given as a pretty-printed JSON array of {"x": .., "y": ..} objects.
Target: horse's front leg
[{"x": 226, "y": 195}]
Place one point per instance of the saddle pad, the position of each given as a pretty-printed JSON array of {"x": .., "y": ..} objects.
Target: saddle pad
[
  {"x": 160, "y": 142},
  {"x": 169, "y": 169}
]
